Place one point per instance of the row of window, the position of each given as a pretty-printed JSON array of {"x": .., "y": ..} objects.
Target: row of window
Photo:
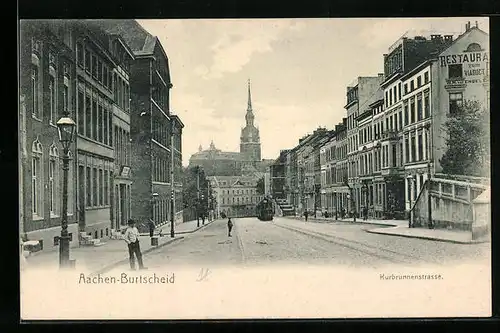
[
  {"x": 416, "y": 145},
  {"x": 393, "y": 62},
  {"x": 335, "y": 174},
  {"x": 161, "y": 168},
  {"x": 95, "y": 117},
  {"x": 161, "y": 211},
  {"x": 121, "y": 92},
  {"x": 94, "y": 66},
  {"x": 238, "y": 200},
  {"x": 53, "y": 182},
  {"x": 352, "y": 95},
  {"x": 239, "y": 192},
  {"x": 161, "y": 129},
  {"x": 105, "y": 75},
  {"x": 160, "y": 92},
  {"x": 96, "y": 184},
  {"x": 416, "y": 83},
  {"x": 122, "y": 146},
  {"x": 418, "y": 108},
  {"x": 56, "y": 106},
  {"x": 393, "y": 95}
]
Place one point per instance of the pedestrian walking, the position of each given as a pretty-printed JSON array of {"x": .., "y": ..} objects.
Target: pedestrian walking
[
  {"x": 229, "y": 227},
  {"x": 306, "y": 214},
  {"x": 151, "y": 228},
  {"x": 132, "y": 239},
  {"x": 365, "y": 213}
]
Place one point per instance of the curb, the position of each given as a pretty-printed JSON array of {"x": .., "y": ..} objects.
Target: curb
[
  {"x": 181, "y": 232},
  {"x": 123, "y": 261},
  {"x": 198, "y": 228},
  {"x": 346, "y": 221},
  {"x": 425, "y": 237}
]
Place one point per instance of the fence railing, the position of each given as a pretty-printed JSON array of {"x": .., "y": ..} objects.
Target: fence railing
[{"x": 451, "y": 203}]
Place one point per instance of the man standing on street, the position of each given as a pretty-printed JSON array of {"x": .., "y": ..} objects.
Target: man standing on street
[
  {"x": 306, "y": 214},
  {"x": 132, "y": 238},
  {"x": 229, "y": 227}
]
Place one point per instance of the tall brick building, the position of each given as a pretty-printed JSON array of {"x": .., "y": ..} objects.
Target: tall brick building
[
  {"x": 47, "y": 88},
  {"x": 152, "y": 123},
  {"x": 113, "y": 79}
]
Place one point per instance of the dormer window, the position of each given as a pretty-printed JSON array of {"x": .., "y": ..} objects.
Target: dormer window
[{"x": 474, "y": 47}]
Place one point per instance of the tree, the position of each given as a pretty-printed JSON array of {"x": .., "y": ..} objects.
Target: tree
[
  {"x": 190, "y": 187},
  {"x": 261, "y": 186},
  {"x": 468, "y": 136}
]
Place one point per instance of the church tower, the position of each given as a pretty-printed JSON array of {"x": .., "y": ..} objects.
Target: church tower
[{"x": 250, "y": 138}]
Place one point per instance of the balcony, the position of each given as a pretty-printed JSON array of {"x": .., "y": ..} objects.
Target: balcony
[
  {"x": 389, "y": 135},
  {"x": 455, "y": 83},
  {"x": 389, "y": 171}
]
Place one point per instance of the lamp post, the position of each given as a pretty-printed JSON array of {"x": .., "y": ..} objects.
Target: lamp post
[
  {"x": 198, "y": 196},
  {"x": 364, "y": 189},
  {"x": 202, "y": 208},
  {"x": 66, "y": 128},
  {"x": 351, "y": 197},
  {"x": 336, "y": 205},
  {"x": 172, "y": 189},
  {"x": 411, "y": 180},
  {"x": 428, "y": 127}
]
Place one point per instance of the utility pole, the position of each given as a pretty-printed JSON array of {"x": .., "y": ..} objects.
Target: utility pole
[
  {"x": 172, "y": 194},
  {"x": 429, "y": 198},
  {"x": 198, "y": 196}
]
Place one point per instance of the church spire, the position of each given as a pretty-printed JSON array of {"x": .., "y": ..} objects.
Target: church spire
[
  {"x": 249, "y": 116},
  {"x": 249, "y": 108}
]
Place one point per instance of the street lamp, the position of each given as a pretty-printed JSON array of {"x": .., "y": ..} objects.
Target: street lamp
[
  {"x": 202, "y": 209},
  {"x": 197, "y": 196},
  {"x": 172, "y": 189},
  {"x": 350, "y": 196},
  {"x": 66, "y": 127},
  {"x": 364, "y": 189},
  {"x": 411, "y": 181}
]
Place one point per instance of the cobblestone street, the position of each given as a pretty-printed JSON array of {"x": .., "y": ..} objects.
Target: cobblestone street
[{"x": 288, "y": 241}]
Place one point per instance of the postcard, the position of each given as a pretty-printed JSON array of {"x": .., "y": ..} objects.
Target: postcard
[{"x": 254, "y": 168}]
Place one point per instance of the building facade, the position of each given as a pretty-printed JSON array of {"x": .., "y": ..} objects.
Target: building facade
[
  {"x": 47, "y": 89},
  {"x": 94, "y": 70},
  {"x": 360, "y": 94},
  {"x": 393, "y": 135},
  {"x": 236, "y": 196}
]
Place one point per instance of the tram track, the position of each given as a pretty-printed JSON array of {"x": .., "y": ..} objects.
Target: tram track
[{"x": 371, "y": 250}]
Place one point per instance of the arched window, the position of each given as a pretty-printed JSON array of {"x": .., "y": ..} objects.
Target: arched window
[
  {"x": 36, "y": 179},
  {"x": 54, "y": 180},
  {"x": 474, "y": 47}
]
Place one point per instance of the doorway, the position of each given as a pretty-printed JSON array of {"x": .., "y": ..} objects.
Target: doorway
[{"x": 123, "y": 205}]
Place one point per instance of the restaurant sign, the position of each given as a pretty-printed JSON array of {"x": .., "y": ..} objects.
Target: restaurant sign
[{"x": 474, "y": 65}]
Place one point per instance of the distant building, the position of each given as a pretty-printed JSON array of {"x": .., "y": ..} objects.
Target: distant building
[
  {"x": 236, "y": 196},
  {"x": 246, "y": 162},
  {"x": 216, "y": 162}
]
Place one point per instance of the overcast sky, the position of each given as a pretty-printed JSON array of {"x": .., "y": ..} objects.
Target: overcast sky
[{"x": 299, "y": 70}]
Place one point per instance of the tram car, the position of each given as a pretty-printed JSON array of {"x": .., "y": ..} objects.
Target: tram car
[{"x": 265, "y": 210}]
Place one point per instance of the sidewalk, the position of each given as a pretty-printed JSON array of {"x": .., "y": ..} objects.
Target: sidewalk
[
  {"x": 112, "y": 252},
  {"x": 181, "y": 228},
  {"x": 400, "y": 228}
]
